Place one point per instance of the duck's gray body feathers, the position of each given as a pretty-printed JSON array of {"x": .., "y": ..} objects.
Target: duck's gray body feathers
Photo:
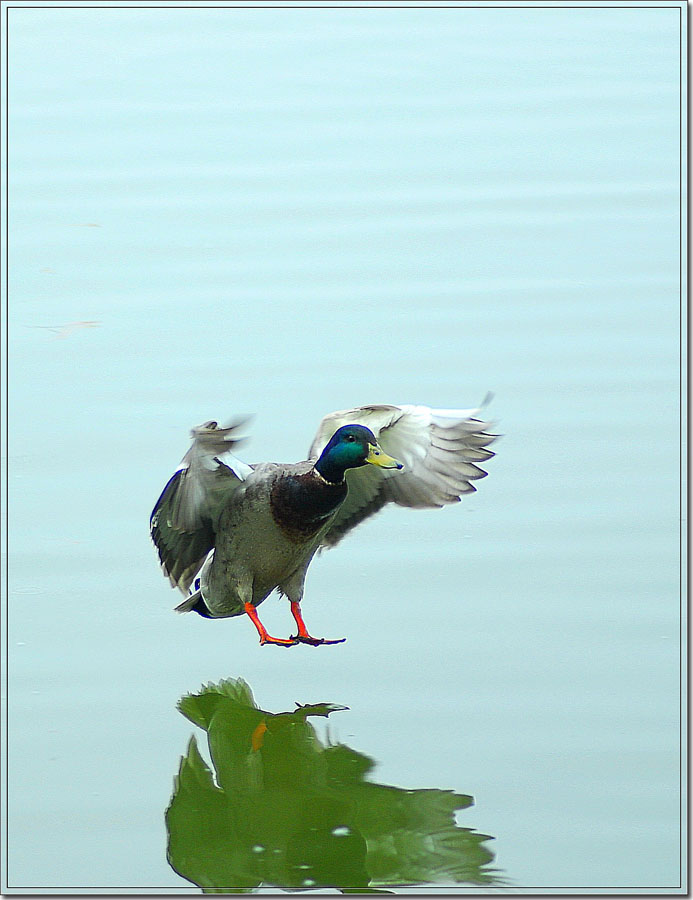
[
  {"x": 262, "y": 542},
  {"x": 260, "y": 535}
]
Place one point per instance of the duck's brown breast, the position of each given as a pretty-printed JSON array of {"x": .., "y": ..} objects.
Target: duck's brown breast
[{"x": 301, "y": 504}]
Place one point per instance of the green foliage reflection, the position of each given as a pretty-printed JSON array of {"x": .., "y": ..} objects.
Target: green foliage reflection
[{"x": 284, "y": 809}]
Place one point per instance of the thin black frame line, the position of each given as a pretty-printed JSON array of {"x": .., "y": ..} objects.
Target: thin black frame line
[
  {"x": 263, "y": 6},
  {"x": 486, "y": 888},
  {"x": 680, "y": 457},
  {"x": 360, "y": 7},
  {"x": 681, "y": 553},
  {"x": 325, "y": 7},
  {"x": 7, "y": 442},
  {"x": 684, "y": 580},
  {"x": 680, "y": 461},
  {"x": 379, "y": 6}
]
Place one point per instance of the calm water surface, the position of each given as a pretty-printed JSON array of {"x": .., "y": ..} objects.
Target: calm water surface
[{"x": 286, "y": 212}]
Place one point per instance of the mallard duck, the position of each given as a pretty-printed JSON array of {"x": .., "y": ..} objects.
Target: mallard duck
[{"x": 228, "y": 533}]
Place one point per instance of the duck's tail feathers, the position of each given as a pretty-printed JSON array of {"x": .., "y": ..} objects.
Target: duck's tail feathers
[
  {"x": 194, "y": 603},
  {"x": 189, "y": 604}
]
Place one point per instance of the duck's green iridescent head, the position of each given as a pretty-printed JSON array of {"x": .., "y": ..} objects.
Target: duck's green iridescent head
[{"x": 349, "y": 447}]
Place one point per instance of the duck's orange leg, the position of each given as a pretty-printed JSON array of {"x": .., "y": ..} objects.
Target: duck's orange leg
[
  {"x": 262, "y": 631},
  {"x": 303, "y": 635}
]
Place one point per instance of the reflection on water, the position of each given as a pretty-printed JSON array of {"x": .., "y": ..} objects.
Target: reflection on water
[{"x": 284, "y": 809}]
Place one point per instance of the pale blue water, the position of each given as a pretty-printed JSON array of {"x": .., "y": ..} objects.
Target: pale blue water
[{"x": 289, "y": 211}]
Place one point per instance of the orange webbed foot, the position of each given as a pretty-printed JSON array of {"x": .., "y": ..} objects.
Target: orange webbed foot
[
  {"x": 303, "y": 637},
  {"x": 313, "y": 641},
  {"x": 279, "y": 642}
]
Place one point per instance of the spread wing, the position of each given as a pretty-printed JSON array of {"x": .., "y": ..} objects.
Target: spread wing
[
  {"x": 440, "y": 449},
  {"x": 183, "y": 516}
]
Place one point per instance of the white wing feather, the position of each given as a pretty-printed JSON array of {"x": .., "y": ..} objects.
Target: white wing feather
[
  {"x": 181, "y": 520},
  {"x": 201, "y": 466},
  {"x": 439, "y": 449}
]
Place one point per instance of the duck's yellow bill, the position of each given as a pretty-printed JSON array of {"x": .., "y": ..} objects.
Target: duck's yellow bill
[{"x": 376, "y": 457}]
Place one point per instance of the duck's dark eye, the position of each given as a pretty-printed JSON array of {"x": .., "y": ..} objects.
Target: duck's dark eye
[{"x": 351, "y": 438}]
